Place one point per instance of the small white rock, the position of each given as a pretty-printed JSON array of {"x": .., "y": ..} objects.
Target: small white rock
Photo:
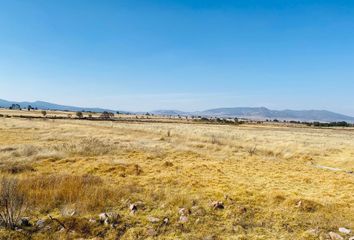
[
  {"x": 344, "y": 230},
  {"x": 183, "y": 219},
  {"x": 183, "y": 211},
  {"x": 92, "y": 220},
  {"x": 103, "y": 217},
  {"x": 133, "y": 207},
  {"x": 40, "y": 223},
  {"x": 335, "y": 236},
  {"x": 108, "y": 218}
]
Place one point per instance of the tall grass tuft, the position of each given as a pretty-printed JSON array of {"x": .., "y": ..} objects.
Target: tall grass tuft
[{"x": 12, "y": 202}]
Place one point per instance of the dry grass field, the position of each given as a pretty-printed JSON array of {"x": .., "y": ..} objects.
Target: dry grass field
[{"x": 177, "y": 181}]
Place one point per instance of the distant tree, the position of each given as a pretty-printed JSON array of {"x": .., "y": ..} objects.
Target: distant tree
[
  {"x": 118, "y": 112},
  {"x": 106, "y": 115},
  {"x": 90, "y": 115},
  {"x": 15, "y": 107},
  {"x": 316, "y": 124},
  {"x": 29, "y": 107},
  {"x": 79, "y": 114},
  {"x": 44, "y": 113}
]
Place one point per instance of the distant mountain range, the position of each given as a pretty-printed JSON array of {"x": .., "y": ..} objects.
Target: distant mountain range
[
  {"x": 260, "y": 113},
  {"x": 51, "y": 106}
]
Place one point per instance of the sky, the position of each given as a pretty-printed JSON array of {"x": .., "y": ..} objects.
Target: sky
[{"x": 143, "y": 55}]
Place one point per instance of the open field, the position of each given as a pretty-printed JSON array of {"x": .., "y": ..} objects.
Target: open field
[{"x": 274, "y": 182}]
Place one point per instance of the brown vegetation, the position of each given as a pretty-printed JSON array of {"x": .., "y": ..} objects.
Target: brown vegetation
[{"x": 175, "y": 181}]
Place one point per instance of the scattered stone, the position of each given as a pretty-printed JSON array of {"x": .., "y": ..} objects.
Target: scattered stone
[
  {"x": 351, "y": 238},
  {"x": 109, "y": 218},
  {"x": 299, "y": 204},
  {"x": 24, "y": 222},
  {"x": 335, "y": 236},
  {"x": 344, "y": 230},
  {"x": 184, "y": 211},
  {"x": 92, "y": 221},
  {"x": 166, "y": 220},
  {"x": 133, "y": 208},
  {"x": 153, "y": 219},
  {"x": 40, "y": 223},
  {"x": 217, "y": 205},
  {"x": 151, "y": 232},
  {"x": 68, "y": 212},
  {"x": 183, "y": 219},
  {"x": 102, "y": 217}
]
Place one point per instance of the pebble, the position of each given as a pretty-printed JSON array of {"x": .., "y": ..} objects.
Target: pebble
[
  {"x": 344, "y": 230},
  {"x": 40, "y": 223},
  {"x": 335, "y": 236},
  {"x": 183, "y": 219}
]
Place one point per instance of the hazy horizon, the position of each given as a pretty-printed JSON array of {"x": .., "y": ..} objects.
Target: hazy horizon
[
  {"x": 174, "y": 109},
  {"x": 184, "y": 55}
]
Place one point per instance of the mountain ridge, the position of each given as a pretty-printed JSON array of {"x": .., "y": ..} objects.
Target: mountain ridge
[
  {"x": 263, "y": 113},
  {"x": 256, "y": 113},
  {"x": 52, "y": 106}
]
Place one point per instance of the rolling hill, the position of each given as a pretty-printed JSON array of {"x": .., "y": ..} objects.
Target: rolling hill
[
  {"x": 257, "y": 113},
  {"x": 262, "y": 113},
  {"x": 51, "y": 106}
]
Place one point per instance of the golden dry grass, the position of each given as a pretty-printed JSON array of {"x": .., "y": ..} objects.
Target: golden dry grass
[{"x": 267, "y": 177}]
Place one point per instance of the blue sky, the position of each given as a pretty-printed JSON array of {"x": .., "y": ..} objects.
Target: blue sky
[{"x": 142, "y": 55}]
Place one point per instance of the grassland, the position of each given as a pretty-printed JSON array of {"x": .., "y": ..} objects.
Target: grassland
[{"x": 274, "y": 182}]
